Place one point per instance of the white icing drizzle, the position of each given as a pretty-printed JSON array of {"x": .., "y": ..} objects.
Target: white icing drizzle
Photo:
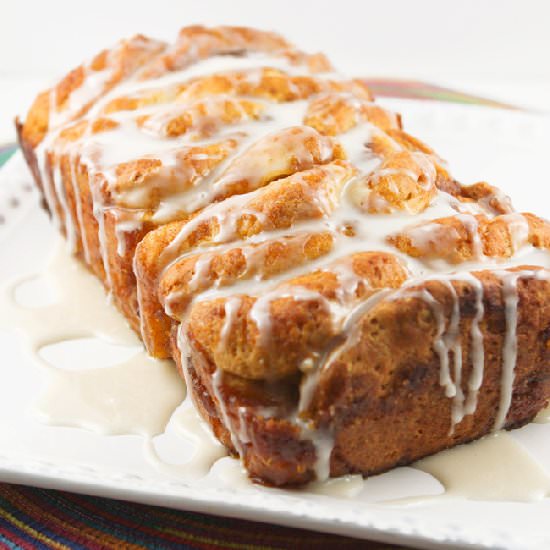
[
  {"x": 261, "y": 310},
  {"x": 232, "y": 306},
  {"x": 472, "y": 225},
  {"x": 495, "y": 468},
  {"x": 543, "y": 417},
  {"x": 62, "y": 196},
  {"x": 324, "y": 444},
  {"x": 201, "y": 272},
  {"x": 342, "y": 487},
  {"x": 424, "y": 235},
  {"x": 136, "y": 395},
  {"x": 222, "y": 407},
  {"x": 477, "y": 350},
  {"x": 187, "y": 424},
  {"x": 216, "y": 379},
  {"x": 442, "y": 340},
  {"x": 93, "y": 84},
  {"x": 44, "y": 167},
  {"x": 453, "y": 344},
  {"x": 78, "y": 206},
  {"x": 124, "y": 225},
  {"x": 99, "y": 214},
  {"x": 449, "y": 340},
  {"x": 510, "y": 346},
  {"x": 519, "y": 230},
  {"x": 92, "y": 398}
]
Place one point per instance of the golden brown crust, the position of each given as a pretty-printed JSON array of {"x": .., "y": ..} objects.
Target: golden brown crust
[
  {"x": 279, "y": 205},
  {"x": 124, "y": 59},
  {"x": 202, "y": 42},
  {"x": 203, "y": 118},
  {"x": 390, "y": 410},
  {"x": 404, "y": 373},
  {"x": 272, "y": 84},
  {"x": 461, "y": 238},
  {"x": 484, "y": 193},
  {"x": 300, "y": 318},
  {"x": 197, "y": 273},
  {"x": 332, "y": 114},
  {"x": 404, "y": 181}
]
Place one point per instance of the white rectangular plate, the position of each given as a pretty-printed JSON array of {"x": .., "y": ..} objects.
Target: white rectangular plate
[{"x": 510, "y": 149}]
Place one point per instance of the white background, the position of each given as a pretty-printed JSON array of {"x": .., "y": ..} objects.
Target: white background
[{"x": 498, "y": 48}]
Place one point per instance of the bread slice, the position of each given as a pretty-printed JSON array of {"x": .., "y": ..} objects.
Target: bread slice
[{"x": 336, "y": 300}]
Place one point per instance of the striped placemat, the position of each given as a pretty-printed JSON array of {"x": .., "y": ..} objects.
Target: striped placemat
[
  {"x": 32, "y": 518},
  {"x": 414, "y": 89},
  {"x": 6, "y": 151}
]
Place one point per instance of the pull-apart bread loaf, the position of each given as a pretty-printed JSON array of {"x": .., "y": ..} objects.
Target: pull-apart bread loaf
[{"x": 336, "y": 301}]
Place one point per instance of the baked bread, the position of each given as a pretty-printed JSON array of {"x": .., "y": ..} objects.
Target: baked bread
[{"x": 336, "y": 300}]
